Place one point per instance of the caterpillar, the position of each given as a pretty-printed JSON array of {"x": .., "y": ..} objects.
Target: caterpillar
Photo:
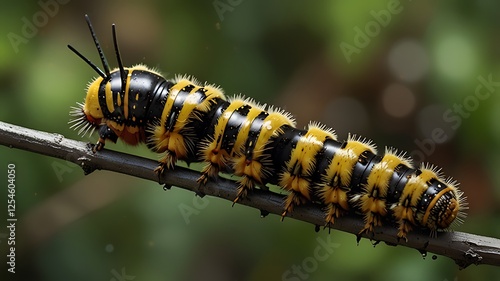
[{"x": 185, "y": 120}]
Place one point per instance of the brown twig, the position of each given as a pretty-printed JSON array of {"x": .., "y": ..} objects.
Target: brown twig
[{"x": 464, "y": 248}]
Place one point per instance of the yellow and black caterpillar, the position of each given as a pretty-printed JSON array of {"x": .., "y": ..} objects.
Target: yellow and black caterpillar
[{"x": 194, "y": 122}]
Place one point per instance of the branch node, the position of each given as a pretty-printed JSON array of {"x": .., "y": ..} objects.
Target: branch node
[
  {"x": 87, "y": 168},
  {"x": 470, "y": 257}
]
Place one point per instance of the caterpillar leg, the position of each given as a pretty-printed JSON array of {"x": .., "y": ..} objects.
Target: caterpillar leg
[
  {"x": 251, "y": 172},
  {"x": 245, "y": 184},
  {"x": 374, "y": 209},
  {"x": 404, "y": 228},
  {"x": 99, "y": 145},
  {"x": 336, "y": 201},
  {"x": 167, "y": 162},
  {"x": 371, "y": 221},
  {"x": 333, "y": 212},
  {"x": 299, "y": 192},
  {"x": 210, "y": 170},
  {"x": 293, "y": 199},
  {"x": 173, "y": 144},
  {"x": 216, "y": 159},
  {"x": 105, "y": 133},
  {"x": 404, "y": 214}
]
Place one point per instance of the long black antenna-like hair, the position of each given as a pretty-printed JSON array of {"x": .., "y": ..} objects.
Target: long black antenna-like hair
[
  {"x": 106, "y": 72},
  {"x": 123, "y": 74},
  {"x": 101, "y": 54}
]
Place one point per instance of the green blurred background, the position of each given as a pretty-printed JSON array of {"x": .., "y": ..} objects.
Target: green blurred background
[{"x": 412, "y": 68}]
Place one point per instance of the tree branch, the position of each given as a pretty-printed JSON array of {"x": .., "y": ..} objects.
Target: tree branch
[{"x": 465, "y": 249}]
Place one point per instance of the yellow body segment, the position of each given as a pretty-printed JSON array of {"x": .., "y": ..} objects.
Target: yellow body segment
[
  {"x": 190, "y": 105},
  {"x": 91, "y": 108},
  {"x": 252, "y": 168},
  {"x": 404, "y": 211},
  {"x": 176, "y": 142},
  {"x": 125, "y": 97},
  {"x": 170, "y": 142},
  {"x": 216, "y": 157},
  {"x": 109, "y": 98},
  {"x": 239, "y": 143},
  {"x": 301, "y": 165},
  {"x": 372, "y": 200},
  {"x": 336, "y": 183}
]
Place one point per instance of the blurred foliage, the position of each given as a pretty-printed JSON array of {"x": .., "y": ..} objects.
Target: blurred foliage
[{"x": 286, "y": 53}]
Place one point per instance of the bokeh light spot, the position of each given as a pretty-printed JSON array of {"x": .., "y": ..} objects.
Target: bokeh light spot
[
  {"x": 408, "y": 61},
  {"x": 398, "y": 100},
  {"x": 455, "y": 57}
]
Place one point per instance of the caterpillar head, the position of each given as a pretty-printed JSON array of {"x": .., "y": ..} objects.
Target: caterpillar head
[
  {"x": 88, "y": 115},
  {"x": 91, "y": 108}
]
